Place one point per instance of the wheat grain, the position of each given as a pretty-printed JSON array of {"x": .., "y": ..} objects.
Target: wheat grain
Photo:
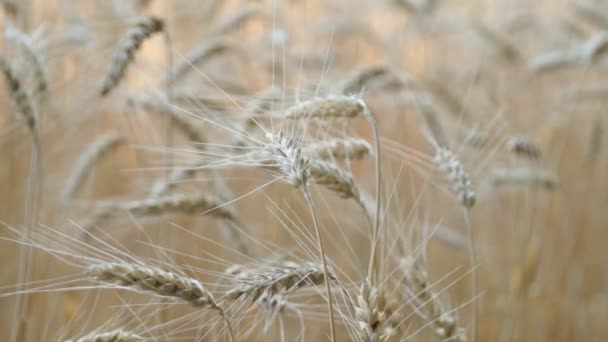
[{"x": 135, "y": 36}]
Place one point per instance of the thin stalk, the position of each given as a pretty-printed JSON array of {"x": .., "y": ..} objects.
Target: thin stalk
[
  {"x": 313, "y": 212},
  {"x": 372, "y": 269},
  {"x": 228, "y": 325},
  {"x": 31, "y": 219},
  {"x": 473, "y": 262}
]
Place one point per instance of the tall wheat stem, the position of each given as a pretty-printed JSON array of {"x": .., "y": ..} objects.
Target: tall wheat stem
[
  {"x": 473, "y": 262},
  {"x": 313, "y": 212}
]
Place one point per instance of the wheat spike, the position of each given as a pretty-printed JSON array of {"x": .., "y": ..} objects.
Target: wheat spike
[
  {"x": 112, "y": 336},
  {"x": 18, "y": 95},
  {"x": 178, "y": 203},
  {"x": 364, "y": 77},
  {"x": 287, "y": 157},
  {"x": 91, "y": 155},
  {"x": 34, "y": 62},
  {"x": 372, "y": 317},
  {"x": 152, "y": 279},
  {"x": 339, "y": 149},
  {"x": 525, "y": 176},
  {"x": 332, "y": 106},
  {"x": 523, "y": 146},
  {"x": 457, "y": 176},
  {"x": 335, "y": 179},
  {"x": 431, "y": 307},
  {"x": 274, "y": 279},
  {"x": 143, "y": 29}
]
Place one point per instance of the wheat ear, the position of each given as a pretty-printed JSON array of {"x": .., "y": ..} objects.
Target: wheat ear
[
  {"x": 339, "y": 149},
  {"x": 434, "y": 311},
  {"x": 151, "y": 279},
  {"x": 143, "y": 29},
  {"x": 178, "y": 203},
  {"x": 111, "y": 336},
  {"x": 372, "y": 316},
  {"x": 333, "y": 106},
  {"x": 525, "y": 176},
  {"x": 523, "y": 146},
  {"x": 35, "y": 62},
  {"x": 273, "y": 279},
  {"x": 102, "y": 146},
  {"x": 19, "y": 96}
]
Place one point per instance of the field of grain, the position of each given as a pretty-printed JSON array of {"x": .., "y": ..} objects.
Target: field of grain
[{"x": 284, "y": 170}]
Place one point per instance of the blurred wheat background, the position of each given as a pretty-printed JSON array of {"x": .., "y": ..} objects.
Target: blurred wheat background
[{"x": 191, "y": 168}]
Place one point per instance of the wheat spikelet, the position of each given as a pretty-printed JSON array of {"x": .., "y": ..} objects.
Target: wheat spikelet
[
  {"x": 152, "y": 279},
  {"x": 457, "y": 176},
  {"x": 433, "y": 310},
  {"x": 178, "y": 203},
  {"x": 332, "y": 106},
  {"x": 273, "y": 280},
  {"x": 287, "y": 157},
  {"x": 371, "y": 315},
  {"x": 112, "y": 336},
  {"x": 144, "y": 28},
  {"x": 34, "y": 62},
  {"x": 523, "y": 146},
  {"x": 91, "y": 155},
  {"x": 339, "y": 149},
  {"x": 368, "y": 75},
  {"x": 18, "y": 95},
  {"x": 335, "y": 179},
  {"x": 525, "y": 176}
]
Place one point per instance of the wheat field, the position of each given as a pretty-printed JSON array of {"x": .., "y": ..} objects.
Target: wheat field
[{"x": 283, "y": 170}]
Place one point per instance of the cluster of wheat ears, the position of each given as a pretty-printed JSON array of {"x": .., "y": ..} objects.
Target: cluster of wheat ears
[{"x": 426, "y": 182}]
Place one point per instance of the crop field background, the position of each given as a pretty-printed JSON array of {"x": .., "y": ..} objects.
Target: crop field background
[{"x": 304, "y": 170}]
